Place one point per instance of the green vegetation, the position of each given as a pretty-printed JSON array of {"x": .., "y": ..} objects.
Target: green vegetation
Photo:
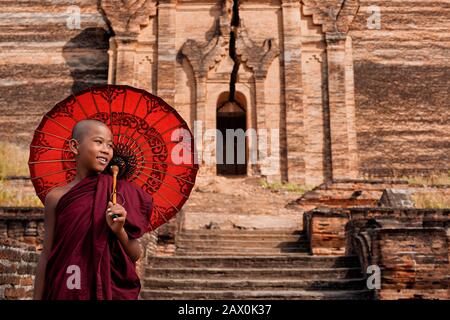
[
  {"x": 13, "y": 160},
  {"x": 431, "y": 200},
  {"x": 12, "y": 196},
  {"x": 290, "y": 187},
  {"x": 437, "y": 179}
]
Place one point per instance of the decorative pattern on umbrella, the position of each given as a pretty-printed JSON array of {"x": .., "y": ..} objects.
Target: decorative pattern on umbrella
[{"x": 153, "y": 145}]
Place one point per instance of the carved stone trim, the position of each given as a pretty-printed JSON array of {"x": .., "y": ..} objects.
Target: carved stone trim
[
  {"x": 333, "y": 15},
  {"x": 204, "y": 56},
  {"x": 258, "y": 58},
  {"x": 128, "y": 18}
]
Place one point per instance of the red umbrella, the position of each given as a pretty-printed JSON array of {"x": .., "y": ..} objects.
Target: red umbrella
[{"x": 153, "y": 145}]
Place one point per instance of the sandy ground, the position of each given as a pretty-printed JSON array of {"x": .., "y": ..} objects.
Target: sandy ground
[{"x": 244, "y": 195}]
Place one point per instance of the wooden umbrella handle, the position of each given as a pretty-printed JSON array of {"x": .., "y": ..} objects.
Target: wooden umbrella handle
[{"x": 115, "y": 171}]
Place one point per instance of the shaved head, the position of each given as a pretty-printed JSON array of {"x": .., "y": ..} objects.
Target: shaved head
[
  {"x": 83, "y": 127},
  {"x": 92, "y": 143}
]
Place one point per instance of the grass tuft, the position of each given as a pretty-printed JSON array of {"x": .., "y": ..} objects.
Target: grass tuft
[
  {"x": 290, "y": 187},
  {"x": 13, "y": 160}
]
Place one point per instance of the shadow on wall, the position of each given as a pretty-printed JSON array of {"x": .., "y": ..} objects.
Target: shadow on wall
[{"x": 86, "y": 55}]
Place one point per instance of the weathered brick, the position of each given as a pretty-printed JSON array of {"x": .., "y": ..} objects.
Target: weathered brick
[{"x": 15, "y": 293}]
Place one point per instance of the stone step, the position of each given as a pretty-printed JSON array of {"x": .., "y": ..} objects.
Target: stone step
[
  {"x": 253, "y": 273},
  {"x": 341, "y": 203},
  {"x": 275, "y": 262},
  {"x": 244, "y": 232},
  {"x": 255, "y": 284},
  {"x": 331, "y": 194},
  {"x": 241, "y": 237},
  {"x": 248, "y": 251},
  {"x": 242, "y": 254},
  {"x": 372, "y": 186},
  {"x": 255, "y": 295},
  {"x": 241, "y": 243}
]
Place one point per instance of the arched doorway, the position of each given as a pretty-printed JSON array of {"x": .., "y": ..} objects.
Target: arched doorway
[{"x": 231, "y": 115}]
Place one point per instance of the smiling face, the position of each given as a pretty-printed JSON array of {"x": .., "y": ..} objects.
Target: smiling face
[{"x": 94, "y": 149}]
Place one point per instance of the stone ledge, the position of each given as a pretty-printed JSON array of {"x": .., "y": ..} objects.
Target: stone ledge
[
  {"x": 21, "y": 213},
  {"x": 328, "y": 229},
  {"x": 325, "y": 229},
  {"x": 414, "y": 262}
]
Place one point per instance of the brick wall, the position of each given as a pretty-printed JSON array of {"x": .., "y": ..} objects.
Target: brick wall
[
  {"x": 409, "y": 246},
  {"x": 329, "y": 229},
  {"x": 326, "y": 231},
  {"x": 42, "y": 59},
  {"x": 401, "y": 76},
  {"x": 21, "y": 237},
  {"x": 18, "y": 263},
  {"x": 402, "y": 73},
  {"x": 414, "y": 263}
]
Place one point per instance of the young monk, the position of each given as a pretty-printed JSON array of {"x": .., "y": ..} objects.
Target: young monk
[{"x": 90, "y": 245}]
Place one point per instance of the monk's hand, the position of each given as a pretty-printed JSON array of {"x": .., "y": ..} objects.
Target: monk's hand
[{"x": 115, "y": 217}]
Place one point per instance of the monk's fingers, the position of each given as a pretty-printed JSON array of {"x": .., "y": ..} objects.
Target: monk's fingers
[
  {"x": 115, "y": 214},
  {"x": 120, "y": 210},
  {"x": 117, "y": 207},
  {"x": 120, "y": 219}
]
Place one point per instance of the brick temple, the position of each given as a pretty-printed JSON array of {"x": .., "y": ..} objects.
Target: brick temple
[{"x": 354, "y": 94}]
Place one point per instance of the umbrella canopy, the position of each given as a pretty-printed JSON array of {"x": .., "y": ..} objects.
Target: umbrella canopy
[{"x": 153, "y": 145}]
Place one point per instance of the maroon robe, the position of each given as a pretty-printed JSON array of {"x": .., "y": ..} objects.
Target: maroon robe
[{"x": 84, "y": 242}]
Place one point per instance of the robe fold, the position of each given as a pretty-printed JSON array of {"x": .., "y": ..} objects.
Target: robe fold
[{"x": 87, "y": 261}]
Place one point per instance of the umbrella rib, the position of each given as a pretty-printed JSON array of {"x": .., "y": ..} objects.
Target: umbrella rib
[
  {"x": 49, "y": 161},
  {"x": 134, "y": 112},
  {"x": 176, "y": 177},
  {"x": 165, "y": 199},
  {"x": 51, "y": 134},
  {"x": 159, "y": 145},
  {"x": 137, "y": 104},
  {"x": 81, "y": 106},
  {"x": 164, "y": 154},
  {"x": 160, "y": 135},
  {"x": 162, "y": 182},
  {"x": 165, "y": 144},
  {"x": 52, "y": 173},
  {"x": 152, "y": 125},
  {"x": 110, "y": 117},
  {"x": 164, "y": 218},
  {"x": 123, "y": 111},
  {"x": 164, "y": 132},
  {"x": 145, "y": 117},
  {"x": 137, "y": 146},
  {"x": 134, "y": 142},
  {"x": 49, "y": 148},
  {"x": 72, "y": 117},
  {"x": 93, "y": 99},
  {"x": 57, "y": 123}
]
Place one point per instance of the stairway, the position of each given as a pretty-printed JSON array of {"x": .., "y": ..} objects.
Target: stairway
[
  {"x": 242, "y": 264},
  {"x": 226, "y": 242}
]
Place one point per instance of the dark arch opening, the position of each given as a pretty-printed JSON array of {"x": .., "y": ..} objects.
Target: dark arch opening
[{"x": 231, "y": 115}]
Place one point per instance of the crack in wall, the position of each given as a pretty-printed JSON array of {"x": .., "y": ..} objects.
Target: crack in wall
[{"x": 232, "y": 49}]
